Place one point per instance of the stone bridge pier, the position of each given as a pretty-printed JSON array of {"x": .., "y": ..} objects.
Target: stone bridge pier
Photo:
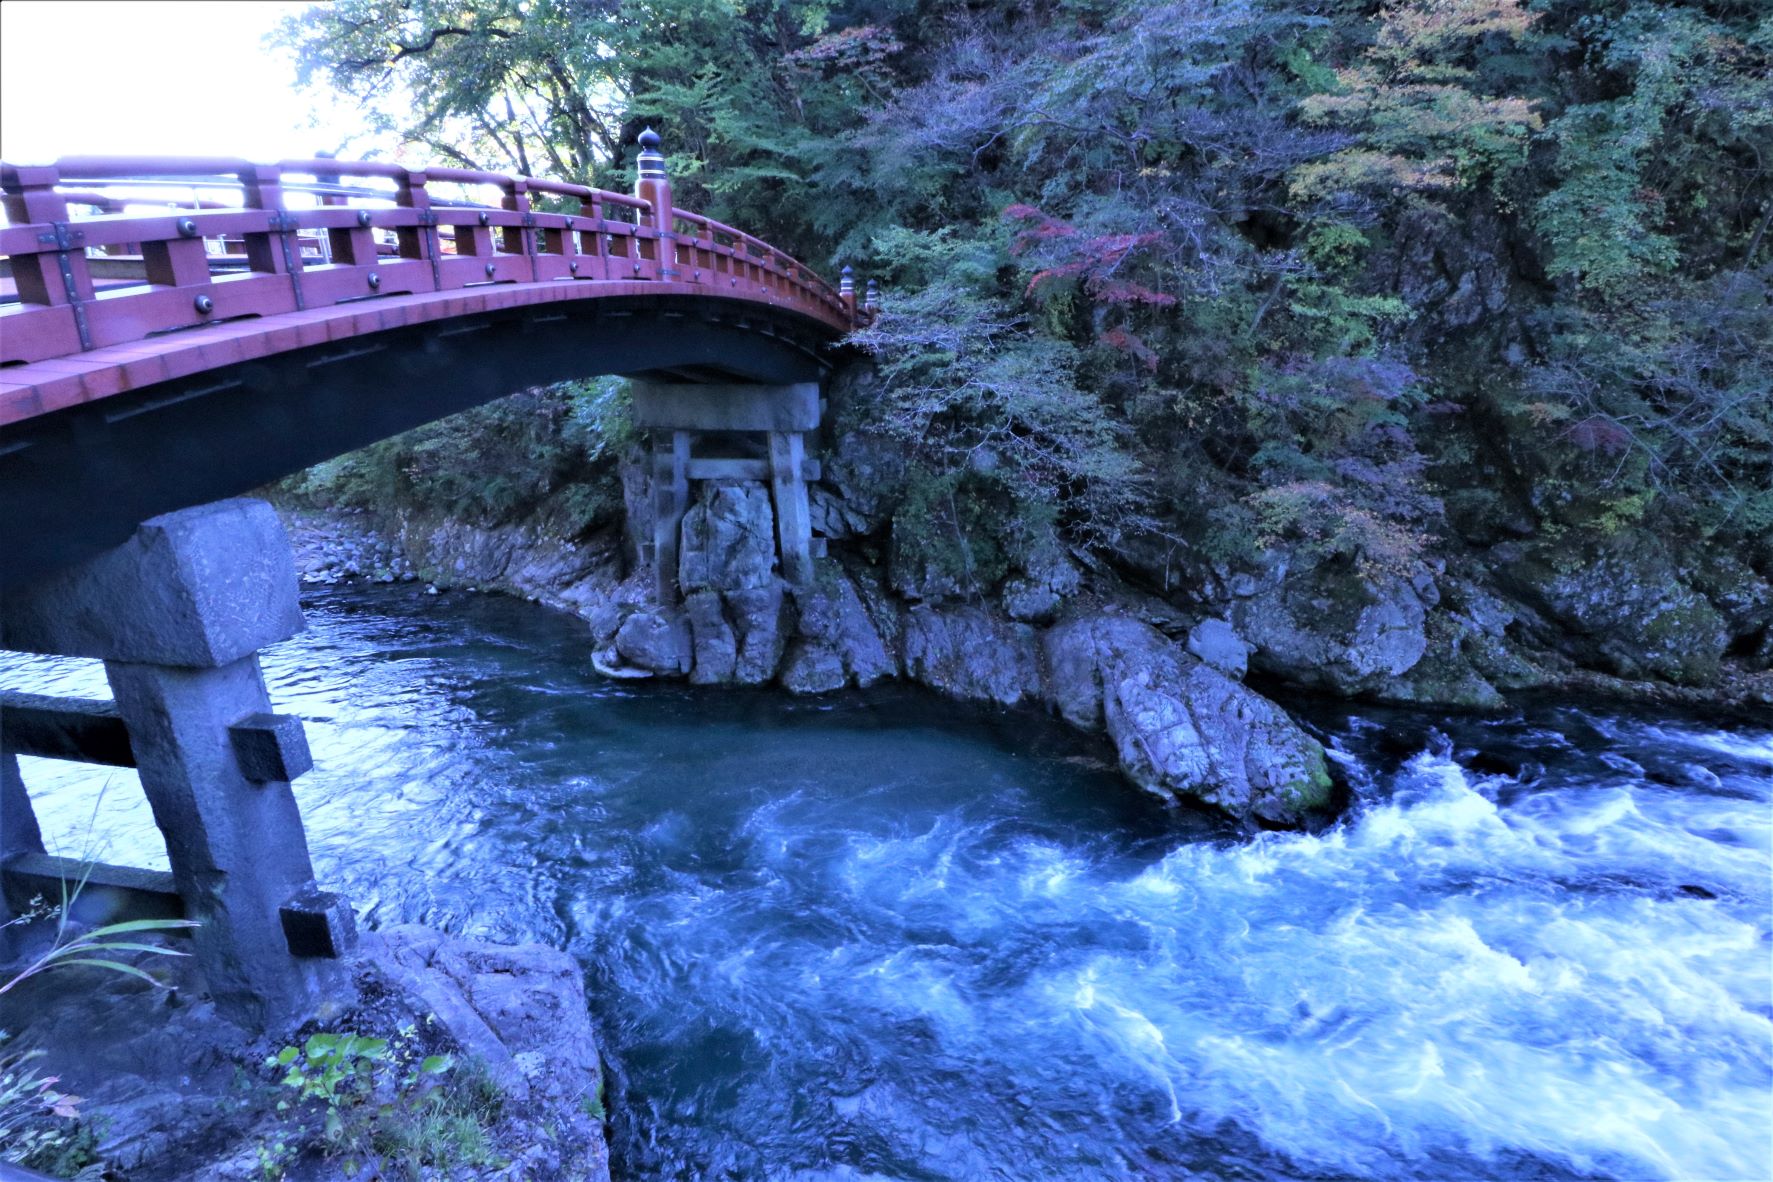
[
  {"x": 178, "y": 614},
  {"x": 716, "y": 432}
]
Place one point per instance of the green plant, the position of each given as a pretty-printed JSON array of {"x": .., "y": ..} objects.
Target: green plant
[
  {"x": 38, "y": 1123},
  {"x": 95, "y": 947},
  {"x": 32, "y": 1111},
  {"x": 591, "y": 1103},
  {"x": 379, "y": 1099}
]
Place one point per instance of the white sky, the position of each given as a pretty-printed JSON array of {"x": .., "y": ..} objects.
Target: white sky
[{"x": 162, "y": 77}]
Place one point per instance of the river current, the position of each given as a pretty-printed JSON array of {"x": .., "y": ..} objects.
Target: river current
[{"x": 882, "y": 936}]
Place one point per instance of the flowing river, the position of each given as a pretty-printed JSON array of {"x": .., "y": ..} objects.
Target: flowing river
[{"x": 882, "y": 936}]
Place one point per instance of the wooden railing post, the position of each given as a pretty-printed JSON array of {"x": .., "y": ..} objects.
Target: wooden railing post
[
  {"x": 846, "y": 291},
  {"x": 279, "y": 250},
  {"x": 519, "y": 239},
  {"x": 420, "y": 241},
  {"x": 57, "y": 276},
  {"x": 653, "y": 186}
]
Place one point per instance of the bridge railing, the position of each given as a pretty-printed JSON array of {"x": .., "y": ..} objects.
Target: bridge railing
[{"x": 360, "y": 230}]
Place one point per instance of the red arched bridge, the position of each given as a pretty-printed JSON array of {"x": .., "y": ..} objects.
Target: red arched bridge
[{"x": 158, "y": 353}]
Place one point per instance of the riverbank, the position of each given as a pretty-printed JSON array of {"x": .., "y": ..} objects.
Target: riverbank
[{"x": 1181, "y": 728}]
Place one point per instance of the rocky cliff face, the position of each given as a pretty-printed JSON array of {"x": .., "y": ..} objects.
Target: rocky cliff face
[
  {"x": 1063, "y": 630},
  {"x": 1181, "y": 726}
]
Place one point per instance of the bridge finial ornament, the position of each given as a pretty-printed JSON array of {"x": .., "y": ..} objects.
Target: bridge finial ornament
[
  {"x": 652, "y": 161},
  {"x": 653, "y": 186}
]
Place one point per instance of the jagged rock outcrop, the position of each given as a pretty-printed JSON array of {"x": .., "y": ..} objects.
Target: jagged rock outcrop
[
  {"x": 1330, "y": 627},
  {"x": 836, "y": 642},
  {"x": 970, "y": 653},
  {"x": 1620, "y": 604},
  {"x": 519, "y": 1008},
  {"x": 1181, "y": 728},
  {"x": 728, "y": 539},
  {"x": 714, "y": 647},
  {"x": 761, "y": 620},
  {"x": 1048, "y": 579}
]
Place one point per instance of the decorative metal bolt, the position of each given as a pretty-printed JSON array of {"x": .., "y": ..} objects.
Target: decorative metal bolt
[
  {"x": 573, "y": 266},
  {"x": 375, "y": 280},
  {"x": 363, "y": 217},
  {"x": 489, "y": 267},
  {"x": 485, "y": 218},
  {"x": 187, "y": 227},
  {"x": 203, "y": 304}
]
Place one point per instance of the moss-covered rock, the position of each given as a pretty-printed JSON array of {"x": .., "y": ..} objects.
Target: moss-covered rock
[
  {"x": 1328, "y": 626},
  {"x": 1621, "y": 604}
]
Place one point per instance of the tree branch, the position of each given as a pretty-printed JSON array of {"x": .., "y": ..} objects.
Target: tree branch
[{"x": 404, "y": 51}]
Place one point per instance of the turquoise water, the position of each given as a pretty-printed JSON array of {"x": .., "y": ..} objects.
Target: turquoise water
[{"x": 886, "y": 937}]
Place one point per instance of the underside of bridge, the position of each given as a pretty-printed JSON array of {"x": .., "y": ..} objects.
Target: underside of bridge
[{"x": 77, "y": 482}]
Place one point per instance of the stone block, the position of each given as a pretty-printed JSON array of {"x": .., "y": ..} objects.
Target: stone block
[
  {"x": 318, "y": 923},
  {"x": 271, "y": 747},
  {"x": 716, "y": 407},
  {"x": 101, "y": 893},
  {"x": 198, "y": 588}
]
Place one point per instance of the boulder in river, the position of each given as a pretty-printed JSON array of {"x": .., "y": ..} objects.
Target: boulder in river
[
  {"x": 655, "y": 639},
  {"x": 1329, "y": 626},
  {"x": 1180, "y": 727}
]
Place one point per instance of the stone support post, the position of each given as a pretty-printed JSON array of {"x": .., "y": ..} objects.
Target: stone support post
[
  {"x": 794, "y": 533},
  {"x": 782, "y": 415},
  {"x": 670, "y": 501},
  {"x": 178, "y": 614}
]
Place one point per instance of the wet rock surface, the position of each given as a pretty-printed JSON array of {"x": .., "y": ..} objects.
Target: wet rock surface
[
  {"x": 1332, "y": 627},
  {"x": 1465, "y": 633}
]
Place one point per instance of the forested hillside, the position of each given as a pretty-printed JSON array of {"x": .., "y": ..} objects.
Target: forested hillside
[{"x": 1476, "y": 293}]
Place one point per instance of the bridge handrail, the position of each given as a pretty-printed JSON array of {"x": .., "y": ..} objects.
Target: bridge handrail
[{"x": 343, "y": 250}]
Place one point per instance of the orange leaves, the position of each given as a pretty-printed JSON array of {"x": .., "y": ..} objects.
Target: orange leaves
[
  {"x": 1414, "y": 102},
  {"x": 1094, "y": 259},
  {"x": 1129, "y": 343}
]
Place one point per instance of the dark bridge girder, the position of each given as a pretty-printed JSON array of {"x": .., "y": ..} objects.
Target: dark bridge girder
[{"x": 77, "y": 482}]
